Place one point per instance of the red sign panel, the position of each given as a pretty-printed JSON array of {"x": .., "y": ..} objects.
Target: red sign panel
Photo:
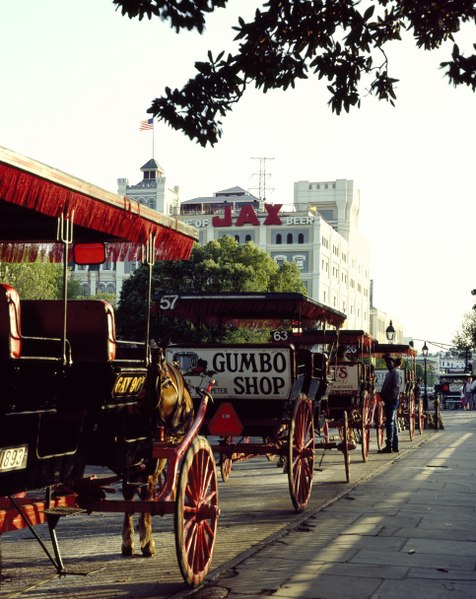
[{"x": 225, "y": 422}]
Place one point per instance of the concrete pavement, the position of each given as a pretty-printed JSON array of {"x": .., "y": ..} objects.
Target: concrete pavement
[{"x": 409, "y": 531}]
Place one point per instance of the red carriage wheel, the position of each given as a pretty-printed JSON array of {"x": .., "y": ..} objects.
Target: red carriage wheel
[
  {"x": 196, "y": 512},
  {"x": 411, "y": 416},
  {"x": 226, "y": 464},
  {"x": 421, "y": 417},
  {"x": 364, "y": 428},
  {"x": 301, "y": 453},
  {"x": 380, "y": 426}
]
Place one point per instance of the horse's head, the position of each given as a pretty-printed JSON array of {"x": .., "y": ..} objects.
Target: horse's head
[{"x": 174, "y": 402}]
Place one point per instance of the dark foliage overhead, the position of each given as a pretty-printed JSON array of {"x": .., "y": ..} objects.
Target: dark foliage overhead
[{"x": 341, "y": 41}]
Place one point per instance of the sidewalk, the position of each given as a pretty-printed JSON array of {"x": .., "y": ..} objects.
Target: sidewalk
[{"x": 410, "y": 531}]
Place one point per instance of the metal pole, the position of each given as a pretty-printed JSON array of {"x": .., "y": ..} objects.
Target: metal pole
[{"x": 425, "y": 396}]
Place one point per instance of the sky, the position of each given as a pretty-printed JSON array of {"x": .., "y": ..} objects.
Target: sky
[{"x": 77, "y": 78}]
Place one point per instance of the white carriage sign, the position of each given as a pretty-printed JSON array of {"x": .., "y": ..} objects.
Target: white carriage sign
[
  {"x": 245, "y": 372},
  {"x": 345, "y": 379}
]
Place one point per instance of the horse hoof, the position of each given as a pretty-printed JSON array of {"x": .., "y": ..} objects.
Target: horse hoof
[
  {"x": 149, "y": 552},
  {"x": 127, "y": 551}
]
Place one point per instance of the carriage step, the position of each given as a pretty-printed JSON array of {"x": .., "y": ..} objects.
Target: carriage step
[{"x": 63, "y": 510}]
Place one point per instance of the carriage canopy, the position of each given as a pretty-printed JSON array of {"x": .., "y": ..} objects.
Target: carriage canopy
[
  {"x": 253, "y": 309},
  {"x": 33, "y": 196}
]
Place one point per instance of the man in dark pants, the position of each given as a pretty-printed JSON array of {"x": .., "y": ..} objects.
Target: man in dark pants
[{"x": 390, "y": 395}]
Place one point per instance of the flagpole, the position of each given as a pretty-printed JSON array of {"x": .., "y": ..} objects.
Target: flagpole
[{"x": 153, "y": 140}]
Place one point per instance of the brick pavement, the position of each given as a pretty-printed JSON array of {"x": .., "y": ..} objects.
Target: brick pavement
[{"x": 408, "y": 531}]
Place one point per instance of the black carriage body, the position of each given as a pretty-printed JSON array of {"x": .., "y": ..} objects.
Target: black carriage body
[
  {"x": 258, "y": 386},
  {"x": 68, "y": 397},
  {"x": 259, "y": 381},
  {"x": 64, "y": 418}
]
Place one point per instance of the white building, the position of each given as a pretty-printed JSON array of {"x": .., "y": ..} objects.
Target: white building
[
  {"x": 319, "y": 232},
  {"x": 152, "y": 191}
]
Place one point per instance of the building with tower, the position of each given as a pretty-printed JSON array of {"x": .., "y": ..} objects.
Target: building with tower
[
  {"x": 318, "y": 231},
  {"x": 152, "y": 191}
]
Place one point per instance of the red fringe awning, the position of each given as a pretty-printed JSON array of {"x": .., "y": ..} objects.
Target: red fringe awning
[
  {"x": 31, "y": 185},
  {"x": 53, "y": 252}
]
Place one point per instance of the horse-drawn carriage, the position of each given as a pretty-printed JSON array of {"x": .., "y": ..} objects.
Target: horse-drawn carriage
[
  {"x": 348, "y": 410},
  {"x": 74, "y": 396},
  {"x": 266, "y": 394},
  {"x": 410, "y": 413}
]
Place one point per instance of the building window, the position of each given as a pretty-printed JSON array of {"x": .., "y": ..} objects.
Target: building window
[
  {"x": 107, "y": 265},
  {"x": 247, "y": 238},
  {"x": 81, "y": 267},
  {"x": 289, "y": 238},
  {"x": 102, "y": 288},
  {"x": 279, "y": 239},
  {"x": 300, "y": 261},
  {"x": 85, "y": 290},
  {"x": 237, "y": 237},
  {"x": 280, "y": 260},
  {"x": 111, "y": 288},
  {"x": 326, "y": 214},
  {"x": 301, "y": 238}
]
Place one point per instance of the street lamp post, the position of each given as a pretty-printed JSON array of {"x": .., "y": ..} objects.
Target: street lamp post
[
  {"x": 424, "y": 351},
  {"x": 390, "y": 333}
]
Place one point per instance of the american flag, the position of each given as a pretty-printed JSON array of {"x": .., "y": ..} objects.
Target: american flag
[{"x": 145, "y": 125}]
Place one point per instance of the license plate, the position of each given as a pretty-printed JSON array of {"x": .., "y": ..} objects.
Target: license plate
[{"x": 13, "y": 458}]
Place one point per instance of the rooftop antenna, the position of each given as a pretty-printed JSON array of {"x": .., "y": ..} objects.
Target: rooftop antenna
[{"x": 262, "y": 179}]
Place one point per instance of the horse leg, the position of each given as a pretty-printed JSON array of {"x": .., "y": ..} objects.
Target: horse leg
[
  {"x": 147, "y": 543},
  {"x": 127, "y": 547}
]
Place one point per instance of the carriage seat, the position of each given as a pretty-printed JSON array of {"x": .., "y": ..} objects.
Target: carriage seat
[
  {"x": 304, "y": 362},
  {"x": 10, "y": 332},
  {"x": 90, "y": 326}
]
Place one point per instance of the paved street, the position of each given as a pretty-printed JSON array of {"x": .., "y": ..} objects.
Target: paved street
[
  {"x": 410, "y": 531},
  {"x": 405, "y": 524}
]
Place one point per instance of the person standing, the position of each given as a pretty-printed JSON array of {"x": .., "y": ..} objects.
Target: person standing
[
  {"x": 390, "y": 393},
  {"x": 468, "y": 394},
  {"x": 473, "y": 394}
]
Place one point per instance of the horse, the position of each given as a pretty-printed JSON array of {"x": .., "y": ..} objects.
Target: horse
[{"x": 173, "y": 410}]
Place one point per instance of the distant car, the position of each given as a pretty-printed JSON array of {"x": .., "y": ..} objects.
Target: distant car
[{"x": 450, "y": 388}]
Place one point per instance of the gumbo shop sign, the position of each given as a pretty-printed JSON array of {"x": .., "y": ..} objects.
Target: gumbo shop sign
[{"x": 247, "y": 372}]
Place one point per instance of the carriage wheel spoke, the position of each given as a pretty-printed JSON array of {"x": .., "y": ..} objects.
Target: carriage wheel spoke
[{"x": 197, "y": 512}]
